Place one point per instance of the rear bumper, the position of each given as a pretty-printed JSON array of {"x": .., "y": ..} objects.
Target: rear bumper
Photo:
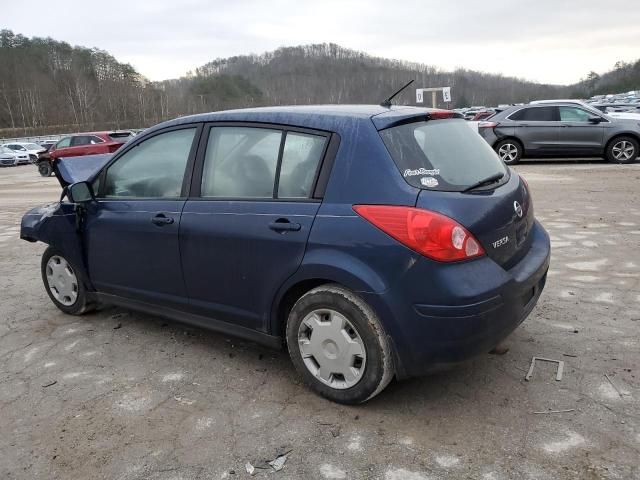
[{"x": 483, "y": 305}]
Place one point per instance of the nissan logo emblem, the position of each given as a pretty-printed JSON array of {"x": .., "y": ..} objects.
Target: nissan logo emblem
[{"x": 518, "y": 209}]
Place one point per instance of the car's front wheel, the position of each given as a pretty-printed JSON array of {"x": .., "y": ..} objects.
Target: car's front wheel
[
  {"x": 338, "y": 345},
  {"x": 63, "y": 283},
  {"x": 623, "y": 150},
  {"x": 44, "y": 168},
  {"x": 509, "y": 151}
]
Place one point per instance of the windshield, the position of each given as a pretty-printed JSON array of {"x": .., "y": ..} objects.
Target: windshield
[
  {"x": 445, "y": 155},
  {"x": 5, "y": 150},
  {"x": 32, "y": 146}
]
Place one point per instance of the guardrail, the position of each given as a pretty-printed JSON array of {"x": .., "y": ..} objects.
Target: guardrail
[{"x": 52, "y": 138}]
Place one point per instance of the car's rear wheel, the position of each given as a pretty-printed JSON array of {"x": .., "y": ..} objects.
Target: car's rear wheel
[
  {"x": 63, "y": 283},
  {"x": 509, "y": 151},
  {"x": 44, "y": 168},
  {"x": 622, "y": 150},
  {"x": 338, "y": 345}
]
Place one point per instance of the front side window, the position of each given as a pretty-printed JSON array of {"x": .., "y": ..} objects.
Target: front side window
[
  {"x": 300, "y": 160},
  {"x": 65, "y": 142},
  {"x": 572, "y": 114},
  {"x": 154, "y": 168},
  {"x": 241, "y": 162},
  {"x": 446, "y": 155}
]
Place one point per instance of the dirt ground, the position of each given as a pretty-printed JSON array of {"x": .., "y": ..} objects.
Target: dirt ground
[{"x": 137, "y": 397}]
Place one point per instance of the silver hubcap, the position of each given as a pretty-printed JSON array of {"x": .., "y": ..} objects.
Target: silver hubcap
[
  {"x": 62, "y": 281},
  {"x": 508, "y": 152},
  {"x": 332, "y": 349},
  {"x": 623, "y": 150}
]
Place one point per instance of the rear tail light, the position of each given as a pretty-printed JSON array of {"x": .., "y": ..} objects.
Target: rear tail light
[
  {"x": 487, "y": 125},
  {"x": 429, "y": 233}
]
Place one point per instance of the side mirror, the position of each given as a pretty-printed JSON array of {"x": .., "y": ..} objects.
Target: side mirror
[
  {"x": 595, "y": 119},
  {"x": 80, "y": 192}
]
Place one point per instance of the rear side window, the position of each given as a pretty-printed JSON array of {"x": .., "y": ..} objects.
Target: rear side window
[
  {"x": 79, "y": 141},
  {"x": 444, "y": 155},
  {"x": 300, "y": 160},
  {"x": 536, "y": 114},
  {"x": 241, "y": 162}
]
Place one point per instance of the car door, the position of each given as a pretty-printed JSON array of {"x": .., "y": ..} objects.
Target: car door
[
  {"x": 577, "y": 134},
  {"x": 245, "y": 230},
  {"x": 131, "y": 232},
  {"x": 61, "y": 148},
  {"x": 537, "y": 128}
]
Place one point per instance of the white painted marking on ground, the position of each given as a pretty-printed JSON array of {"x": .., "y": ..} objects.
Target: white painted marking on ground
[
  {"x": 30, "y": 353},
  {"x": 331, "y": 472},
  {"x": 560, "y": 243},
  {"x": 71, "y": 375},
  {"x": 204, "y": 423},
  {"x": 585, "y": 278},
  {"x": 172, "y": 377},
  {"x": 133, "y": 402},
  {"x": 627, "y": 224},
  {"x": 604, "y": 297},
  {"x": 590, "y": 244},
  {"x": 597, "y": 225},
  {"x": 355, "y": 443},
  {"x": 402, "y": 474},
  {"x": 574, "y": 236},
  {"x": 588, "y": 266},
  {"x": 69, "y": 347},
  {"x": 573, "y": 440},
  {"x": 447, "y": 461}
]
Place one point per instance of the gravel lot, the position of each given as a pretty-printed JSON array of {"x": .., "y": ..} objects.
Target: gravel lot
[{"x": 141, "y": 398}]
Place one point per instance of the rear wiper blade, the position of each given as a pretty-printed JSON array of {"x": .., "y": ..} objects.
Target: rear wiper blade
[{"x": 486, "y": 181}]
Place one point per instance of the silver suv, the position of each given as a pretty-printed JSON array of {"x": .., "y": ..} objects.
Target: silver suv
[{"x": 563, "y": 129}]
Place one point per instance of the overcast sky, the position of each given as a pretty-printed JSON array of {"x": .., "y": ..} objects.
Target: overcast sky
[{"x": 555, "y": 41}]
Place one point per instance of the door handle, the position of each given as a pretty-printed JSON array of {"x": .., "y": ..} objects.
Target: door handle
[
  {"x": 284, "y": 225},
  {"x": 161, "y": 219}
]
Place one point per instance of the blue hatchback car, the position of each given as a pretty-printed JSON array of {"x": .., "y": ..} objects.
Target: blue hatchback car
[{"x": 372, "y": 242}]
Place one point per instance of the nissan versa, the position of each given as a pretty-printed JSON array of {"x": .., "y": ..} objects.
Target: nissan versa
[{"x": 373, "y": 242}]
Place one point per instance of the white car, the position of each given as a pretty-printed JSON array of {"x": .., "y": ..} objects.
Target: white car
[
  {"x": 30, "y": 149},
  {"x": 10, "y": 158}
]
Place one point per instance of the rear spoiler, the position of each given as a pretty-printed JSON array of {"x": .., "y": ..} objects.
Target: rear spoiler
[{"x": 78, "y": 169}]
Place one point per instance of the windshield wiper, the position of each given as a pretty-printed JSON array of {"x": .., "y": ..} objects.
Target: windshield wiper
[{"x": 486, "y": 181}]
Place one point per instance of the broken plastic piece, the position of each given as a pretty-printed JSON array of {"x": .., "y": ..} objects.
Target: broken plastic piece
[
  {"x": 251, "y": 470},
  {"x": 278, "y": 463},
  {"x": 533, "y": 363}
]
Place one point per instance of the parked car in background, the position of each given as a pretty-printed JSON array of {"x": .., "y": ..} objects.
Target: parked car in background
[
  {"x": 482, "y": 115},
  {"x": 561, "y": 129},
  {"x": 21, "y": 158},
  {"x": 81, "y": 144},
  {"x": 8, "y": 158},
  {"x": 89, "y": 144},
  {"x": 371, "y": 242},
  {"x": 30, "y": 149}
]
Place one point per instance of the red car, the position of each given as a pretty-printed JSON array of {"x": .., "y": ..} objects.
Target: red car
[{"x": 89, "y": 144}]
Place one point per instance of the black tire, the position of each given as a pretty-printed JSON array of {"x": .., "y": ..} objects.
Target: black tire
[
  {"x": 81, "y": 304},
  {"x": 509, "y": 150},
  {"x": 618, "y": 145},
  {"x": 378, "y": 368},
  {"x": 44, "y": 169}
]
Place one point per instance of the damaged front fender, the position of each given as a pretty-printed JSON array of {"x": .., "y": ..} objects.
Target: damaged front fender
[{"x": 56, "y": 224}]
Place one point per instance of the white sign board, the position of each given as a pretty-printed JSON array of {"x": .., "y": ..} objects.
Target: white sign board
[
  {"x": 419, "y": 97},
  {"x": 446, "y": 94}
]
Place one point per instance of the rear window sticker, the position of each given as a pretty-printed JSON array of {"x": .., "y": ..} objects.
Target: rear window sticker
[{"x": 421, "y": 171}]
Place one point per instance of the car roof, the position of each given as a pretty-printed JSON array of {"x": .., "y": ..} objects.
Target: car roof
[{"x": 321, "y": 117}]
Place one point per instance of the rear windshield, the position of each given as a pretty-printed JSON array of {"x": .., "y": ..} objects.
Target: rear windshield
[
  {"x": 120, "y": 136},
  {"x": 446, "y": 155}
]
